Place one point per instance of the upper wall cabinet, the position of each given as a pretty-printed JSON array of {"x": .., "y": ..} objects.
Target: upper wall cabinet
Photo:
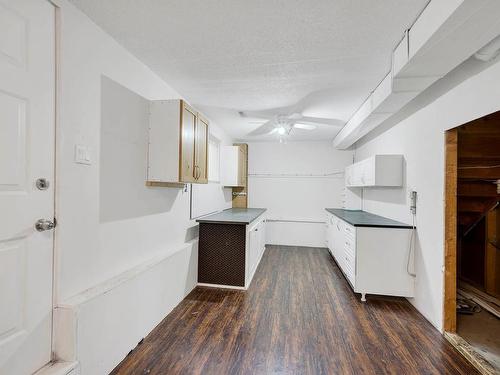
[
  {"x": 376, "y": 171},
  {"x": 178, "y": 144},
  {"x": 233, "y": 166}
]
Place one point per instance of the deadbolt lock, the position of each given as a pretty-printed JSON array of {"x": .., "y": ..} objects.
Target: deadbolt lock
[{"x": 42, "y": 184}]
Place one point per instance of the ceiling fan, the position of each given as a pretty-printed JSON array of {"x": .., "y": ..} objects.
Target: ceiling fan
[{"x": 283, "y": 124}]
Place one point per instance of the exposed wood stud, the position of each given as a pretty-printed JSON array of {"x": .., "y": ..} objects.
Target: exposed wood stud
[{"x": 450, "y": 229}]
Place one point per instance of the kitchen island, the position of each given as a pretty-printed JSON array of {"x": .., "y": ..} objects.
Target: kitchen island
[{"x": 231, "y": 245}]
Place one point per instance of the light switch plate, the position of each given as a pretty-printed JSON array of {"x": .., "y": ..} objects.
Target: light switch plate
[{"x": 82, "y": 154}]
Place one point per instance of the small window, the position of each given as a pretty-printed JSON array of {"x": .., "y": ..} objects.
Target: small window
[{"x": 213, "y": 159}]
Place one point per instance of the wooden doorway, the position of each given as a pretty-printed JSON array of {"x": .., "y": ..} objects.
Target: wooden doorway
[
  {"x": 472, "y": 230},
  {"x": 450, "y": 231}
]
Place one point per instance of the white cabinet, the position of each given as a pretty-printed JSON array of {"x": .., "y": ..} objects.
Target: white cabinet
[
  {"x": 376, "y": 171},
  {"x": 232, "y": 166},
  {"x": 255, "y": 246},
  {"x": 374, "y": 260}
]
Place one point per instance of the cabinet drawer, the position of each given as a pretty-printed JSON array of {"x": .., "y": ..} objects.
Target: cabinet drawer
[
  {"x": 349, "y": 261},
  {"x": 349, "y": 250},
  {"x": 349, "y": 230},
  {"x": 348, "y": 268},
  {"x": 349, "y": 242}
]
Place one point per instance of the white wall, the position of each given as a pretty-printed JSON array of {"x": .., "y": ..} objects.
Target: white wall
[
  {"x": 94, "y": 245},
  {"x": 297, "y": 204},
  {"x": 420, "y": 138}
]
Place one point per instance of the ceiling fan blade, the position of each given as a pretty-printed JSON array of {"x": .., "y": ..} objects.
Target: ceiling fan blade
[
  {"x": 295, "y": 116},
  {"x": 255, "y": 114},
  {"x": 304, "y": 126},
  {"x": 258, "y": 122},
  {"x": 320, "y": 121},
  {"x": 266, "y": 128}
]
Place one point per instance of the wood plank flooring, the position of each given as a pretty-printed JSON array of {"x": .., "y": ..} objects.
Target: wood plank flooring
[{"x": 299, "y": 316}]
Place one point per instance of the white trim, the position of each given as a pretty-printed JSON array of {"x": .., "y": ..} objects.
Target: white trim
[
  {"x": 220, "y": 286},
  {"x": 57, "y": 106},
  {"x": 59, "y": 368}
]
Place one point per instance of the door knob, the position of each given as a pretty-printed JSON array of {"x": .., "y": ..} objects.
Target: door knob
[{"x": 43, "y": 224}]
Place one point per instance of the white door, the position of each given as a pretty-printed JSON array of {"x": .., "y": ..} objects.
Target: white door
[
  {"x": 254, "y": 247},
  {"x": 27, "y": 87}
]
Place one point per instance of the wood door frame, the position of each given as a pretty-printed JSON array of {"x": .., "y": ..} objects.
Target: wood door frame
[{"x": 450, "y": 231}]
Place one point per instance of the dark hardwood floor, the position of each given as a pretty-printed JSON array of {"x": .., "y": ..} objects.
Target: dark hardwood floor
[{"x": 299, "y": 316}]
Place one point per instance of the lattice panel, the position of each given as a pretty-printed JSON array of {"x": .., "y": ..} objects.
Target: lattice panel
[{"x": 221, "y": 254}]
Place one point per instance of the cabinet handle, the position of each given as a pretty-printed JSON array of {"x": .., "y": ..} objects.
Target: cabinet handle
[{"x": 196, "y": 172}]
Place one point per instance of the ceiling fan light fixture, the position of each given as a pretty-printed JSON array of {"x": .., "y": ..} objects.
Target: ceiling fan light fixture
[{"x": 281, "y": 130}]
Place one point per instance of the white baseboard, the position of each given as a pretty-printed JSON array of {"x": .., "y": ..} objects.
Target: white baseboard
[
  {"x": 221, "y": 286},
  {"x": 59, "y": 368}
]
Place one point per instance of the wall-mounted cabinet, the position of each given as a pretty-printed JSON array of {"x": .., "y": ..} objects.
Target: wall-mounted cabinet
[
  {"x": 376, "y": 171},
  {"x": 233, "y": 166},
  {"x": 178, "y": 144}
]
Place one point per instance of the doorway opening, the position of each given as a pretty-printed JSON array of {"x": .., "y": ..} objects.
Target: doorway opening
[{"x": 472, "y": 245}]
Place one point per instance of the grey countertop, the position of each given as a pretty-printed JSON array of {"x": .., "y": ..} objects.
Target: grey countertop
[
  {"x": 360, "y": 218},
  {"x": 241, "y": 216}
]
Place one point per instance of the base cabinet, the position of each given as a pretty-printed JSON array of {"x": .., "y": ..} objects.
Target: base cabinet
[{"x": 374, "y": 260}]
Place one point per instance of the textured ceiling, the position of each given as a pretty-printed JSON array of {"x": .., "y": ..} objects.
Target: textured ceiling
[{"x": 323, "y": 57}]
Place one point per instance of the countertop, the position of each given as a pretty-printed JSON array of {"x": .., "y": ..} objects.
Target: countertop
[
  {"x": 360, "y": 218},
  {"x": 241, "y": 216}
]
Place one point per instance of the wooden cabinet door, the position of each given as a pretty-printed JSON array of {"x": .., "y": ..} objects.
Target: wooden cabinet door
[
  {"x": 187, "y": 144},
  {"x": 201, "y": 151}
]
